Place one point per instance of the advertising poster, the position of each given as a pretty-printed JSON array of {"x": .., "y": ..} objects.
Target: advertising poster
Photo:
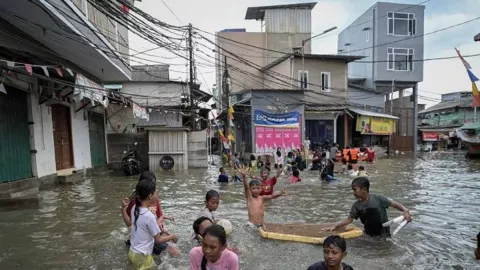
[{"x": 277, "y": 130}]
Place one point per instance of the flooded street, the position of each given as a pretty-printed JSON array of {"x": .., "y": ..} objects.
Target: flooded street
[{"x": 80, "y": 227}]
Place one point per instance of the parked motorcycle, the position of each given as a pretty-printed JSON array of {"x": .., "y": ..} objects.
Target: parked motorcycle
[{"x": 131, "y": 162}]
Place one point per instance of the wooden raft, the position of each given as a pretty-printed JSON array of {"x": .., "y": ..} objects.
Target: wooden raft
[{"x": 305, "y": 233}]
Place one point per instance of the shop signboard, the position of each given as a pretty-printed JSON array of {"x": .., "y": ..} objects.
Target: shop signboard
[
  {"x": 430, "y": 136},
  {"x": 368, "y": 125}
]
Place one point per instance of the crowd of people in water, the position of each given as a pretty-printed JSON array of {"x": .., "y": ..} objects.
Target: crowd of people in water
[{"x": 148, "y": 235}]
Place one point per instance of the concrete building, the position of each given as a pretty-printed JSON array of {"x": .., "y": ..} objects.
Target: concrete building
[
  {"x": 274, "y": 81},
  {"x": 54, "y": 58},
  {"x": 438, "y": 123},
  {"x": 283, "y": 27},
  {"x": 168, "y": 122},
  {"x": 390, "y": 37}
]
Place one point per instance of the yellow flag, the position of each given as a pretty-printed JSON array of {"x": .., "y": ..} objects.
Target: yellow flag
[{"x": 230, "y": 110}]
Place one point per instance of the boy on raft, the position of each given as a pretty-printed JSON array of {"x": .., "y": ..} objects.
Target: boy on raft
[
  {"x": 371, "y": 209},
  {"x": 255, "y": 201}
]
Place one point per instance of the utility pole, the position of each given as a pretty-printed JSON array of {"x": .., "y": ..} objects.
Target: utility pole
[
  {"x": 190, "y": 49},
  {"x": 226, "y": 92}
]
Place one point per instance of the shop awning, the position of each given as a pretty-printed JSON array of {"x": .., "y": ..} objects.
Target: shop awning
[{"x": 373, "y": 114}]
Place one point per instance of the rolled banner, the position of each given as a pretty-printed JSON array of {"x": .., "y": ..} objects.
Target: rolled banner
[
  {"x": 396, "y": 220},
  {"x": 400, "y": 227}
]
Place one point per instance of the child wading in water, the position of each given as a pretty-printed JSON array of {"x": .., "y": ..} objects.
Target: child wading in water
[
  {"x": 334, "y": 251},
  {"x": 213, "y": 254},
  {"x": 267, "y": 183},
  {"x": 223, "y": 177},
  {"x": 145, "y": 230},
  {"x": 371, "y": 209},
  {"x": 255, "y": 200},
  {"x": 129, "y": 203},
  {"x": 212, "y": 199}
]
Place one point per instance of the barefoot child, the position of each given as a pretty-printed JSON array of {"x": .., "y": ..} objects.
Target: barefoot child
[
  {"x": 255, "y": 200},
  {"x": 212, "y": 199},
  {"x": 371, "y": 209},
  {"x": 213, "y": 254},
  {"x": 334, "y": 251},
  {"x": 145, "y": 230}
]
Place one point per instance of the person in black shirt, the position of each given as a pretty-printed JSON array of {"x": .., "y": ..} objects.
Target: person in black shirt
[
  {"x": 371, "y": 209},
  {"x": 334, "y": 251}
]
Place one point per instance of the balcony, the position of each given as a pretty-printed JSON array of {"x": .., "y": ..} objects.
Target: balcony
[{"x": 61, "y": 26}]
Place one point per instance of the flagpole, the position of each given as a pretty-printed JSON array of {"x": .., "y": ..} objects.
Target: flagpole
[{"x": 474, "y": 114}]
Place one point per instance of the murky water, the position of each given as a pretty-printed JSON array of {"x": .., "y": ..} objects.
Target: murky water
[{"x": 80, "y": 227}]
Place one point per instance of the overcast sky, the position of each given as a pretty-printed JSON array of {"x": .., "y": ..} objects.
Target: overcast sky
[{"x": 442, "y": 76}]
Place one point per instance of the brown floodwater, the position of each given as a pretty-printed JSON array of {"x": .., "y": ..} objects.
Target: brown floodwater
[{"x": 80, "y": 226}]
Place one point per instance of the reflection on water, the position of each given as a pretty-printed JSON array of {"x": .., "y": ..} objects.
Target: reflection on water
[{"x": 80, "y": 227}]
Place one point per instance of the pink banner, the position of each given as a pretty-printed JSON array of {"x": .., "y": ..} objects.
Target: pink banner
[{"x": 268, "y": 139}]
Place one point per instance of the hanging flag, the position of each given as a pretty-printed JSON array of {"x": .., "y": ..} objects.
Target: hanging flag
[
  {"x": 231, "y": 135},
  {"x": 465, "y": 63},
  {"x": 475, "y": 96},
  {"x": 28, "y": 67},
  {"x": 230, "y": 109},
  {"x": 2, "y": 89},
  {"x": 59, "y": 71},
  {"x": 472, "y": 76},
  {"x": 10, "y": 64},
  {"x": 473, "y": 79},
  {"x": 45, "y": 70}
]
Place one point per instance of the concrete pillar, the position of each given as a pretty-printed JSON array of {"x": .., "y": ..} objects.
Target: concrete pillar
[
  {"x": 415, "y": 117},
  {"x": 335, "y": 129},
  {"x": 345, "y": 129}
]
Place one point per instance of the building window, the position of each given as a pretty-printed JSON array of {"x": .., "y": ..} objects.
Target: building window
[
  {"x": 303, "y": 79},
  {"x": 401, "y": 24},
  {"x": 367, "y": 35},
  {"x": 326, "y": 81},
  {"x": 400, "y": 59}
]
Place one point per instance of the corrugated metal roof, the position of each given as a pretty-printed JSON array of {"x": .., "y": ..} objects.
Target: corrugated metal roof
[
  {"x": 258, "y": 13},
  {"x": 462, "y": 103},
  {"x": 150, "y": 73},
  {"x": 373, "y": 114}
]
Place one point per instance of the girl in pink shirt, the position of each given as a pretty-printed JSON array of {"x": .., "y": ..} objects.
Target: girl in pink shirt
[{"x": 213, "y": 254}]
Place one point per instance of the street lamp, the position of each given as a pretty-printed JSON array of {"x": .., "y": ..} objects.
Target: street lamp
[{"x": 303, "y": 50}]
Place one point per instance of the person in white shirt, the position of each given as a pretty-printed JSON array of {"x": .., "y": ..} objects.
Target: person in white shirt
[
  {"x": 145, "y": 230},
  {"x": 279, "y": 158},
  {"x": 306, "y": 143}
]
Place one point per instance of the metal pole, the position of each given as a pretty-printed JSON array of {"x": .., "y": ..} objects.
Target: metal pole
[
  {"x": 226, "y": 81},
  {"x": 474, "y": 114},
  {"x": 391, "y": 98},
  {"x": 303, "y": 66},
  {"x": 190, "y": 48},
  {"x": 415, "y": 117}
]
